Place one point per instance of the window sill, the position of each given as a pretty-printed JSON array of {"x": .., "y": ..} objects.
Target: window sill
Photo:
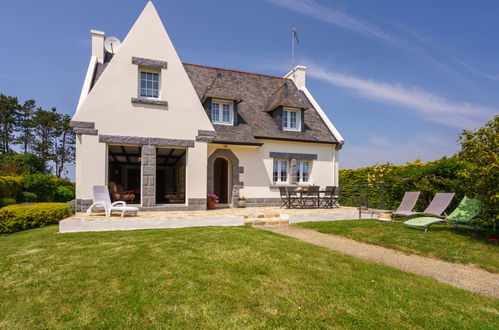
[{"x": 150, "y": 101}]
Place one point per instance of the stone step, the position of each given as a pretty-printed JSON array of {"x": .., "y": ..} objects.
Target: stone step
[{"x": 271, "y": 219}]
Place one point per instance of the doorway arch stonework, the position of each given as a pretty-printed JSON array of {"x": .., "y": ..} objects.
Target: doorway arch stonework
[{"x": 235, "y": 170}]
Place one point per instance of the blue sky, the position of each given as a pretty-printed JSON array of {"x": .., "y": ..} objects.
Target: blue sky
[{"x": 399, "y": 80}]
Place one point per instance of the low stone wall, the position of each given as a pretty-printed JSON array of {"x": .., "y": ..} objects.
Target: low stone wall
[{"x": 262, "y": 202}]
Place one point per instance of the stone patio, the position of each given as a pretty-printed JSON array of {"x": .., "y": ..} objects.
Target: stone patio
[{"x": 218, "y": 217}]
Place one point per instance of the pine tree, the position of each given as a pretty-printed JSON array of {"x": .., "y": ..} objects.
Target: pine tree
[
  {"x": 9, "y": 116},
  {"x": 25, "y": 126}
]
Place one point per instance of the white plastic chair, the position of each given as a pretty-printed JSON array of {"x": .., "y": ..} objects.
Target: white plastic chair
[{"x": 102, "y": 200}]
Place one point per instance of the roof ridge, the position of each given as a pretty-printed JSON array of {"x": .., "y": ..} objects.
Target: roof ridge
[{"x": 232, "y": 70}]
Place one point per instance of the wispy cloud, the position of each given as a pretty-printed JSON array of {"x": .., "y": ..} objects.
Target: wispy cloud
[
  {"x": 416, "y": 45},
  {"x": 428, "y": 105},
  {"x": 333, "y": 16}
]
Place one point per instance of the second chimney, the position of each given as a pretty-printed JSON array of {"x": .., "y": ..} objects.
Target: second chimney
[{"x": 98, "y": 44}]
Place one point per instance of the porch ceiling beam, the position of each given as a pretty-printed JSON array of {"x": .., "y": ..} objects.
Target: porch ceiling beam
[
  {"x": 114, "y": 155},
  {"x": 126, "y": 155},
  {"x": 179, "y": 157},
  {"x": 169, "y": 155}
]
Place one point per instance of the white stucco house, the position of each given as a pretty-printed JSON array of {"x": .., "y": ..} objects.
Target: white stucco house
[{"x": 173, "y": 132}]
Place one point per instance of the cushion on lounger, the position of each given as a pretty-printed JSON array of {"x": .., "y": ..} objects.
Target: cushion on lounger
[{"x": 422, "y": 221}]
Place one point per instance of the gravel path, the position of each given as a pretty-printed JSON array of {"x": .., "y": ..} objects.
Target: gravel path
[{"x": 461, "y": 276}]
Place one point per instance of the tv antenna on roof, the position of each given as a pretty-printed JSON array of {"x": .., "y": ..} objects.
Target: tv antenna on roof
[
  {"x": 294, "y": 38},
  {"x": 111, "y": 44}
]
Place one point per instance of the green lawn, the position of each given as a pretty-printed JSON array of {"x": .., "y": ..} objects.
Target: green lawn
[
  {"x": 215, "y": 278},
  {"x": 441, "y": 241}
]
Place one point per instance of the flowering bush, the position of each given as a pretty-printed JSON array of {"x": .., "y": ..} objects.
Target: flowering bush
[
  {"x": 241, "y": 198},
  {"x": 212, "y": 197}
]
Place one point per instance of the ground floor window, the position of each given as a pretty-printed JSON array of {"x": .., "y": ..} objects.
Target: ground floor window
[
  {"x": 280, "y": 171},
  {"x": 302, "y": 171}
]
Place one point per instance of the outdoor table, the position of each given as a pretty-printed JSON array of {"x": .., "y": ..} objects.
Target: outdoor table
[{"x": 301, "y": 190}]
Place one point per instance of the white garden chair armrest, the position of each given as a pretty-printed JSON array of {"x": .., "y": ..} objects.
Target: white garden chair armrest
[
  {"x": 118, "y": 203},
  {"x": 89, "y": 210}
]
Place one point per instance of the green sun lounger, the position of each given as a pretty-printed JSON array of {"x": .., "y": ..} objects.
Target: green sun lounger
[{"x": 462, "y": 215}]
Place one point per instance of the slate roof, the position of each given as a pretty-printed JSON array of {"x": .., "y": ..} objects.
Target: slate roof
[
  {"x": 256, "y": 95},
  {"x": 286, "y": 97}
]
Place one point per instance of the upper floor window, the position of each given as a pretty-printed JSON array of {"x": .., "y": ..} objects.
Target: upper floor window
[
  {"x": 280, "y": 171},
  {"x": 291, "y": 119},
  {"x": 302, "y": 171},
  {"x": 222, "y": 112},
  {"x": 149, "y": 84}
]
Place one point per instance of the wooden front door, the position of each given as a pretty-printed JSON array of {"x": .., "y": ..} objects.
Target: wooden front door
[{"x": 221, "y": 179}]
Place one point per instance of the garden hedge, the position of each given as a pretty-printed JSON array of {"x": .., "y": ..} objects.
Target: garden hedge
[
  {"x": 19, "y": 217},
  {"x": 10, "y": 186}
]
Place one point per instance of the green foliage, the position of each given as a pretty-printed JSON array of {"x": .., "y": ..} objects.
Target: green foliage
[
  {"x": 480, "y": 172},
  {"x": 40, "y": 184},
  {"x": 9, "y": 116},
  {"x": 28, "y": 197},
  {"x": 20, "y": 164},
  {"x": 19, "y": 217},
  {"x": 10, "y": 186},
  {"x": 7, "y": 201},
  {"x": 428, "y": 178},
  {"x": 64, "y": 194},
  {"x": 72, "y": 206}
]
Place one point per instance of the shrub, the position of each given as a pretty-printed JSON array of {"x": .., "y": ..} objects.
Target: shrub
[
  {"x": 40, "y": 184},
  {"x": 428, "y": 178},
  {"x": 10, "y": 186},
  {"x": 72, "y": 206},
  {"x": 20, "y": 164},
  {"x": 28, "y": 197},
  {"x": 480, "y": 174},
  {"x": 64, "y": 194},
  {"x": 7, "y": 201},
  {"x": 19, "y": 217}
]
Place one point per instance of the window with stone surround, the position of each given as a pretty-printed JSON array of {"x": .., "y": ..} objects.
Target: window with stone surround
[
  {"x": 280, "y": 171},
  {"x": 149, "y": 83},
  {"x": 302, "y": 171}
]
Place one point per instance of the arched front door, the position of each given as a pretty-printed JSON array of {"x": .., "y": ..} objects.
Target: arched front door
[{"x": 221, "y": 179}]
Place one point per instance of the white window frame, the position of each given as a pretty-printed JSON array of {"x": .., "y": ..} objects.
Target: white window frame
[
  {"x": 279, "y": 170},
  {"x": 286, "y": 113},
  {"x": 299, "y": 171},
  {"x": 148, "y": 70},
  {"x": 220, "y": 120}
]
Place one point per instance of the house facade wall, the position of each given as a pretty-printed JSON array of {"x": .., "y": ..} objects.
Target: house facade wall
[
  {"x": 113, "y": 113},
  {"x": 256, "y": 164},
  {"x": 110, "y": 114}
]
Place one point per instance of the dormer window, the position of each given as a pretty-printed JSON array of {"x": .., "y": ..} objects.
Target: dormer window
[
  {"x": 222, "y": 112},
  {"x": 149, "y": 84},
  {"x": 291, "y": 119}
]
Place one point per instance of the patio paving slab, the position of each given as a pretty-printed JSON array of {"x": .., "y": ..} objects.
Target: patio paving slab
[{"x": 218, "y": 217}]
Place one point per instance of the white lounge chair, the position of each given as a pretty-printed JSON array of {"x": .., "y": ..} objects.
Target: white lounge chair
[{"x": 102, "y": 201}]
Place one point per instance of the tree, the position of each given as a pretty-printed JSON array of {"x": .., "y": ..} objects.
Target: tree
[
  {"x": 480, "y": 175},
  {"x": 25, "y": 125},
  {"x": 45, "y": 125},
  {"x": 9, "y": 115},
  {"x": 64, "y": 145}
]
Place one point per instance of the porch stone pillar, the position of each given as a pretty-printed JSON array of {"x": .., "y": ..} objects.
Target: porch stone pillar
[
  {"x": 148, "y": 164},
  {"x": 294, "y": 174}
]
